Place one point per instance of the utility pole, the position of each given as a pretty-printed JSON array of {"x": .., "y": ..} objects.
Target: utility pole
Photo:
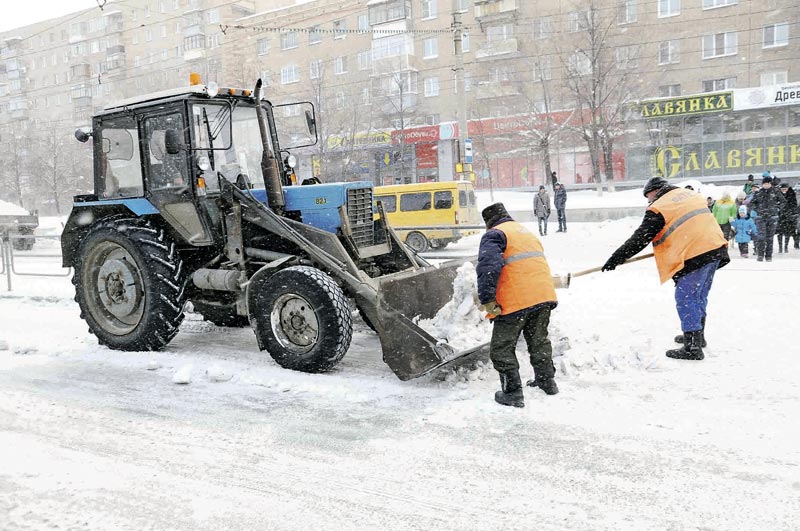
[{"x": 464, "y": 144}]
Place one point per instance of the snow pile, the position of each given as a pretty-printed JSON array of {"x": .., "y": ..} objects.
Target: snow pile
[
  {"x": 10, "y": 209},
  {"x": 183, "y": 375},
  {"x": 460, "y": 323}
]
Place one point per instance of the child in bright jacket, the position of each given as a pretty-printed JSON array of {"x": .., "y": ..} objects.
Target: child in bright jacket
[{"x": 745, "y": 229}]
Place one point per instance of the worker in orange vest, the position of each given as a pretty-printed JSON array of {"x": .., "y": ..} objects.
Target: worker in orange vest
[
  {"x": 515, "y": 288},
  {"x": 689, "y": 248}
]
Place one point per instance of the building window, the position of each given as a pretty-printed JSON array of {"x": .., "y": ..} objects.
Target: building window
[
  {"x": 668, "y": 91},
  {"x": 461, "y": 6},
  {"x": 364, "y": 60},
  {"x": 266, "y": 78},
  {"x": 626, "y": 11},
  {"x": 543, "y": 28},
  {"x": 314, "y": 35},
  {"x": 288, "y": 40},
  {"x": 627, "y": 57},
  {"x": 776, "y": 35},
  {"x": 431, "y": 86},
  {"x": 774, "y": 78},
  {"x": 389, "y": 11},
  {"x": 148, "y": 35},
  {"x": 578, "y": 21},
  {"x": 339, "y": 29},
  {"x": 263, "y": 46},
  {"x": 290, "y": 74},
  {"x": 363, "y": 23},
  {"x": 465, "y": 42},
  {"x": 711, "y": 85},
  {"x": 430, "y": 48},
  {"x": 709, "y": 4},
  {"x": 365, "y": 96},
  {"x": 212, "y": 16},
  {"x": 578, "y": 64},
  {"x": 719, "y": 44},
  {"x": 428, "y": 9},
  {"x": 669, "y": 52},
  {"x": 669, "y": 8},
  {"x": 340, "y": 65},
  {"x": 432, "y": 119},
  {"x": 499, "y": 33},
  {"x": 315, "y": 69},
  {"x": 163, "y": 31}
]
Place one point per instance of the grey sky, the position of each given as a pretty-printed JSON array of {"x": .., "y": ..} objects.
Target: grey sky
[{"x": 16, "y": 14}]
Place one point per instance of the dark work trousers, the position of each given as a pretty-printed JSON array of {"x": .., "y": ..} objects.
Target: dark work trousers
[
  {"x": 542, "y": 226},
  {"x": 726, "y": 230},
  {"x": 743, "y": 249},
  {"x": 691, "y": 296},
  {"x": 765, "y": 226},
  {"x": 562, "y": 219},
  {"x": 505, "y": 334}
]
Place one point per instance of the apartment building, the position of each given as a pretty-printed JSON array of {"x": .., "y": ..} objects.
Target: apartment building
[{"x": 381, "y": 72}]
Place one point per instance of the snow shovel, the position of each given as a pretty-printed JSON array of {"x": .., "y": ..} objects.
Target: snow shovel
[{"x": 562, "y": 281}]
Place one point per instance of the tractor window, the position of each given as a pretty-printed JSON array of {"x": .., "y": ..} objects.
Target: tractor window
[
  {"x": 165, "y": 171},
  {"x": 242, "y": 156},
  {"x": 412, "y": 202},
  {"x": 119, "y": 169},
  {"x": 389, "y": 202},
  {"x": 443, "y": 200}
]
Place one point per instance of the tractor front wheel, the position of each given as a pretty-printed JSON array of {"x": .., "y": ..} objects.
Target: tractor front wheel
[
  {"x": 130, "y": 284},
  {"x": 303, "y": 319}
]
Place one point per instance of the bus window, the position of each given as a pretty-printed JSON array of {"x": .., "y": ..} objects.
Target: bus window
[
  {"x": 389, "y": 202},
  {"x": 462, "y": 198},
  {"x": 472, "y": 198},
  {"x": 443, "y": 200},
  {"x": 412, "y": 202}
]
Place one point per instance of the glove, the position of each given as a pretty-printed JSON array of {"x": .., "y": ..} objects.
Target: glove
[
  {"x": 491, "y": 307},
  {"x": 612, "y": 263}
]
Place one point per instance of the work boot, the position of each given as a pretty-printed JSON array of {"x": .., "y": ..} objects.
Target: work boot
[
  {"x": 548, "y": 385},
  {"x": 691, "y": 349},
  {"x": 681, "y": 338},
  {"x": 511, "y": 390}
]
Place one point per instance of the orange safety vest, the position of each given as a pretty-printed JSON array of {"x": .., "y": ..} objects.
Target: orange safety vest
[
  {"x": 689, "y": 230},
  {"x": 525, "y": 279}
]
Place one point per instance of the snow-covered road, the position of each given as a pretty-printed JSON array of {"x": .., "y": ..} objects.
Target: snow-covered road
[{"x": 92, "y": 439}]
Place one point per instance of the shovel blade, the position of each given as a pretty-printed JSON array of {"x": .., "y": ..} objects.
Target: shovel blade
[{"x": 405, "y": 297}]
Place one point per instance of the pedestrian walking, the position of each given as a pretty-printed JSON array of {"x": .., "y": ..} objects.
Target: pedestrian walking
[
  {"x": 724, "y": 211},
  {"x": 689, "y": 248},
  {"x": 560, "y": 201},
  {"x": 787, "y": 219},
  {"x": 541, "y": 209},
  {"x": 744, "y": 229},
  {"x": 516, "y": 289},
  {"x": 767, "y": 202}
]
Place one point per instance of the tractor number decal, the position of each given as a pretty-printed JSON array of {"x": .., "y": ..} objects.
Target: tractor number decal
[{"x": 321, "y": 200}]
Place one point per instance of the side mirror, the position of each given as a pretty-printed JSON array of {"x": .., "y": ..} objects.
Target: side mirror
[
  {"x": 311, "y": 123},
  {"x": 82, "y": 136},
  {"x": 173, "y": 141}
]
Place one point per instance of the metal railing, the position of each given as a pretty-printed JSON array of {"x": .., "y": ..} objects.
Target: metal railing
[{"x": 10, "y": 257}]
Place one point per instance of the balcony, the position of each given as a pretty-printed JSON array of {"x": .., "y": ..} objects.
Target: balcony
[
  {"x": 493, "y": 49},
  {"x": 397, "y": 63},
  {"x": 495, "y": 89},
  {"x": 114, "y": 23},
  {"x": 80, "y": 71},
  {"x": 115, "y": 50},
  {"x": 495, "y": 9}
]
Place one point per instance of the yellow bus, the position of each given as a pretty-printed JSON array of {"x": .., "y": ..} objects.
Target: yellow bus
[{"x": 434, "y": 204}]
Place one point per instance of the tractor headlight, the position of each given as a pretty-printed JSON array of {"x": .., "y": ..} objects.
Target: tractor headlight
[
  {"x": 212, "y": 89},
  {"x": 291, "y": 161},
  {"x": 203, "y": 163}
]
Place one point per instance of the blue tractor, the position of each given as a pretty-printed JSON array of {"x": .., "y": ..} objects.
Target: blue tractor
[{"x": 195, "y": 200}]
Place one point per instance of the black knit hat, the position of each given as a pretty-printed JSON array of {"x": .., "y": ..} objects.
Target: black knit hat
[
  {"x": 494, "y": 212},
  {"x": 766, "y": 179},
  {"x": 784, "y": 185},
  {"x": 654, "y": 184}
]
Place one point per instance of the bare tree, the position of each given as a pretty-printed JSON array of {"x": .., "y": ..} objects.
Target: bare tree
[
  {"x": 14, "y": 165},
  {"x": 59, "y": 168},
  {"x": 482, "y": 151},
  {"x": 396, "y": 103},
  {"x": 597, "y": 79}
]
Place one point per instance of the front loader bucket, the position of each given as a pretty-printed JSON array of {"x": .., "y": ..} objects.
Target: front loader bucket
[{"x": 409, "y": 350}]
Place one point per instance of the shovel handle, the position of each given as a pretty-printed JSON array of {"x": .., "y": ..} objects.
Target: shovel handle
[{"x": 596, "y": 269}]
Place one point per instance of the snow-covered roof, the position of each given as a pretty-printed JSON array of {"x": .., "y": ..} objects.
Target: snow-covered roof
[{"x": 194, "y": 89}]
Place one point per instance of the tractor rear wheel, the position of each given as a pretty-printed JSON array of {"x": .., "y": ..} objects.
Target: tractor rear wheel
[
  {"x": 303, "y": 319},
  {"x": 130, "y": 283}
]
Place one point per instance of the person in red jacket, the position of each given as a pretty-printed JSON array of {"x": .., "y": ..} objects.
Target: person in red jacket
[
  {"x": 689, "y": 248},
  {"x": 516, "y": 288}
]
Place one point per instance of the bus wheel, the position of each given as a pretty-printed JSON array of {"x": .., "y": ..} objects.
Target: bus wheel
[{"x": 417, "y": 241}]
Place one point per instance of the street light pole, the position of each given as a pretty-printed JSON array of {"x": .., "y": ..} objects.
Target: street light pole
[{"x": 461, "y": 91}]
